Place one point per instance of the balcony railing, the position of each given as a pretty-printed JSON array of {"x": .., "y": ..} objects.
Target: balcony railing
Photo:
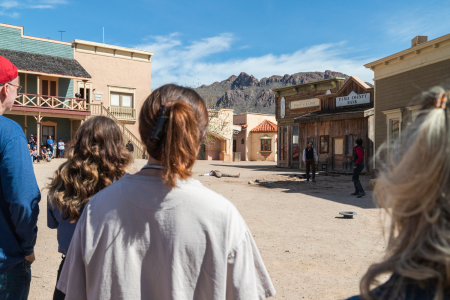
[
  {"x": 123, "y": 113},
  {"x": 52, "y": 102},
  {"x": 100, "y": 110}
]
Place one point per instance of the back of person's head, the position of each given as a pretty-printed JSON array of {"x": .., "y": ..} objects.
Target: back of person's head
[
  {"x": 97, "y": 157},
  {"x": 183, "y": 121},
  {"x": 414, "y": 189},
  {"x": 359, "y": 142}
]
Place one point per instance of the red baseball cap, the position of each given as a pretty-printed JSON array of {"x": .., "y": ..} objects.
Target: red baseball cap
[{"x": 8, "y": 71}]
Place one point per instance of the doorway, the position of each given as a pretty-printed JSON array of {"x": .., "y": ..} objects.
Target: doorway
[
  {"x": 49, "y": 87},
  {"x": 338, "y": 154},
  {"x": 48, "y": 130}
]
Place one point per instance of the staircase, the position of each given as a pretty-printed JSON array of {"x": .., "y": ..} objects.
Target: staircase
[{"x": 139, "y": 148}]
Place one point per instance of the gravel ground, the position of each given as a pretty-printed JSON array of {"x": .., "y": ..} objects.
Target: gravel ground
[{"x": 308, "y": 249}]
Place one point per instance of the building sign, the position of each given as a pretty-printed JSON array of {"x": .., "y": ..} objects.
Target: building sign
[
  {"x": 98, "y": 96},
  {"x": 304, "y": 103},
  {"x": 353, "y": 99},
  {"x": 283, "y": 108}
]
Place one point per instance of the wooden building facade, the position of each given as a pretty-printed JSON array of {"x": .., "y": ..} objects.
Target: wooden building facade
[{"x": 332, "y": 116}]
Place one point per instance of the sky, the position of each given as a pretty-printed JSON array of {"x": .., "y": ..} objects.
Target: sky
[{"x": 200, "y": 42}]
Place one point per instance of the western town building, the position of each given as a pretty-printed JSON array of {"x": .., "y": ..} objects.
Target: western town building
[
  {"x": 255, "y": 137},
  {"x": 66, "y": 83},
  {"x": 401, "y": 77},
  {"x": 332, "y": 113}
]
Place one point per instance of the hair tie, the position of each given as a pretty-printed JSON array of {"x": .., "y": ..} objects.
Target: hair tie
[
  {"x": 441, "y": 101},
  {"x": 160, "y": 122}
]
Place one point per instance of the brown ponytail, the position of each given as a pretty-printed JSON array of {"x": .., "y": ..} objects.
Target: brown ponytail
[{"x": 182, "y": 133}]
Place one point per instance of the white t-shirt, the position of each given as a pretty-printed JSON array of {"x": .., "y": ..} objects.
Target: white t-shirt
[
  {"x": 139, "y": 239},
  {"x": 61, "y": 145}
]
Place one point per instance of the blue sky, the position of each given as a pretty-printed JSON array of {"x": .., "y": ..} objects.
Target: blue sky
[{"x": 206, "y": 41}]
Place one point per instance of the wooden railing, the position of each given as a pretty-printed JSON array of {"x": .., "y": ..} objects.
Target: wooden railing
[
  {"x": 44, "y": 101},
  {"x": 123, "y": 113},
  {"x": 139, "y": 148}
]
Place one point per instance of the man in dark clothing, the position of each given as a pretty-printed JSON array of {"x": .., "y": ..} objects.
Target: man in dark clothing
[
  {"x": 130, "y": 147},
  {"x": 358, "y": 161},
  {"x": 310, "y": 158},
  {"x": 19, "y": 195}
]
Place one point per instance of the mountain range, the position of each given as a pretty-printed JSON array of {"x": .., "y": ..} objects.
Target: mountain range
[{"x": 245, "y": 93}]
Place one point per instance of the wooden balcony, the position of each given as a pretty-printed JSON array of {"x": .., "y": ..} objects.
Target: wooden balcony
[
  {"x": 50, "y": 102},
  {"x": 123, "y": 113},
  {"x": 32, "y": 104}
]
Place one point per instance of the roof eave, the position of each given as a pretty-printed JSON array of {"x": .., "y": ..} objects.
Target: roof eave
[{"x": 407, "y": 51}]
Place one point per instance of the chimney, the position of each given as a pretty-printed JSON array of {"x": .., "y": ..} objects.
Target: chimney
[{"x": 418, "y": 40}]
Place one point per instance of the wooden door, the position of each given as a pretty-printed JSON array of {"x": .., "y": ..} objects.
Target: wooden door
[
  {"x": 49, "y": 88},
  {"x": 338, "y": 154}
]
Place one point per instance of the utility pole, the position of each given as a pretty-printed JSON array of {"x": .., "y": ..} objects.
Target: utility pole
[{"x": 61, "y": 33}]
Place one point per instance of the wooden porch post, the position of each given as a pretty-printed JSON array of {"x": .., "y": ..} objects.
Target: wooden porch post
[
  {"x": 38, "y": 90},
  {"x": 38, "y": 122},
  {"x": 84, "y": 93}
]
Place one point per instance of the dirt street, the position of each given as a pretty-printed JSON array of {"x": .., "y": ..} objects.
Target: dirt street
[{"x": 308, "y": 249}]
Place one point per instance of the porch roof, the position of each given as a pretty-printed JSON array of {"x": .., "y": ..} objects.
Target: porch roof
[
  {"x": 46, "y": 64},
  {"x": 334, "y": 114}
]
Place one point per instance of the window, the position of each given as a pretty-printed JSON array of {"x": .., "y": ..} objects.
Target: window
[
  {"x": 295, "y": 150},
  {"x": 394, "y": 123},
  {"x": 265, "y": 145},
  {"x": 394, "y": 129},
  {"x": 324, "y": 140},
  {"x": 122, "y": 100}
]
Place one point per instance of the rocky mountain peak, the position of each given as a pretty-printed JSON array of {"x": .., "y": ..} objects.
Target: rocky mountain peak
[{"x": 245, "y": 93}]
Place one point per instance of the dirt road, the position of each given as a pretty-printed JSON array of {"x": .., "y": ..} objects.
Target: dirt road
[{"x": 308, "y": 249}]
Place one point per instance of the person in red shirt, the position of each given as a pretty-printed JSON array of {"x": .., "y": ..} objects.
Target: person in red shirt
[{"x": 358, "y": 161}]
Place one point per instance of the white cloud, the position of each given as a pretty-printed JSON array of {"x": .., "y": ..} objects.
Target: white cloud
[
  {"x": 427, "y": 19},
  {"x": 10, "y": 5},
  {"x": 188, "y": 64}
]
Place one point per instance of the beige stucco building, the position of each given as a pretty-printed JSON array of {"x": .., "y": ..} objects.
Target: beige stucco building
[
  {"x": 120, "y": 79},
  {"x": 255, "y": 137}
]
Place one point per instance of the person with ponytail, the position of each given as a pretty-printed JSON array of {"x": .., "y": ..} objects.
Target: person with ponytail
[
  {"x": 414, "y": 190},
  {"x": 97, "y": 158},
  {"x": 160, "y": 234}
]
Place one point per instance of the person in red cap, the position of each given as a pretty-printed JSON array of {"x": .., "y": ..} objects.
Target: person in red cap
[
  {"x": 9, "y": 84},
  {"x": 19, "y": 195}
]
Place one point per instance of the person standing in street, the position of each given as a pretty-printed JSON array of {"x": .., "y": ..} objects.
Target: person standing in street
[
  {"x": 19, "y": 196},
  {"x": 31, "y": 142},
  {"x": 50, "y": 143},
  {"x": 61, "y": 148},
  {"x": 358, "y": 161},
  {"x": 310, "y": 158}
]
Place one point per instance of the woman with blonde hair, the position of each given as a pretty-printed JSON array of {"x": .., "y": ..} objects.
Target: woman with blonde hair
[
  {"x": 414, "y": 189},
  {"x": 97, "y": 158},
  {"x": 159, "y": 234}
]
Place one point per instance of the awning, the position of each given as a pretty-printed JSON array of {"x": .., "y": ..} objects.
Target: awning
[
  {"x": 334, "y": 114},
  {"x": 45, "y": 64}
]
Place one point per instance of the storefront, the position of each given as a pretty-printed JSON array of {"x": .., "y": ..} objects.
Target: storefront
[
  {"x": 292, "y": 102},
  {"x": 331, "y": 118}
]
